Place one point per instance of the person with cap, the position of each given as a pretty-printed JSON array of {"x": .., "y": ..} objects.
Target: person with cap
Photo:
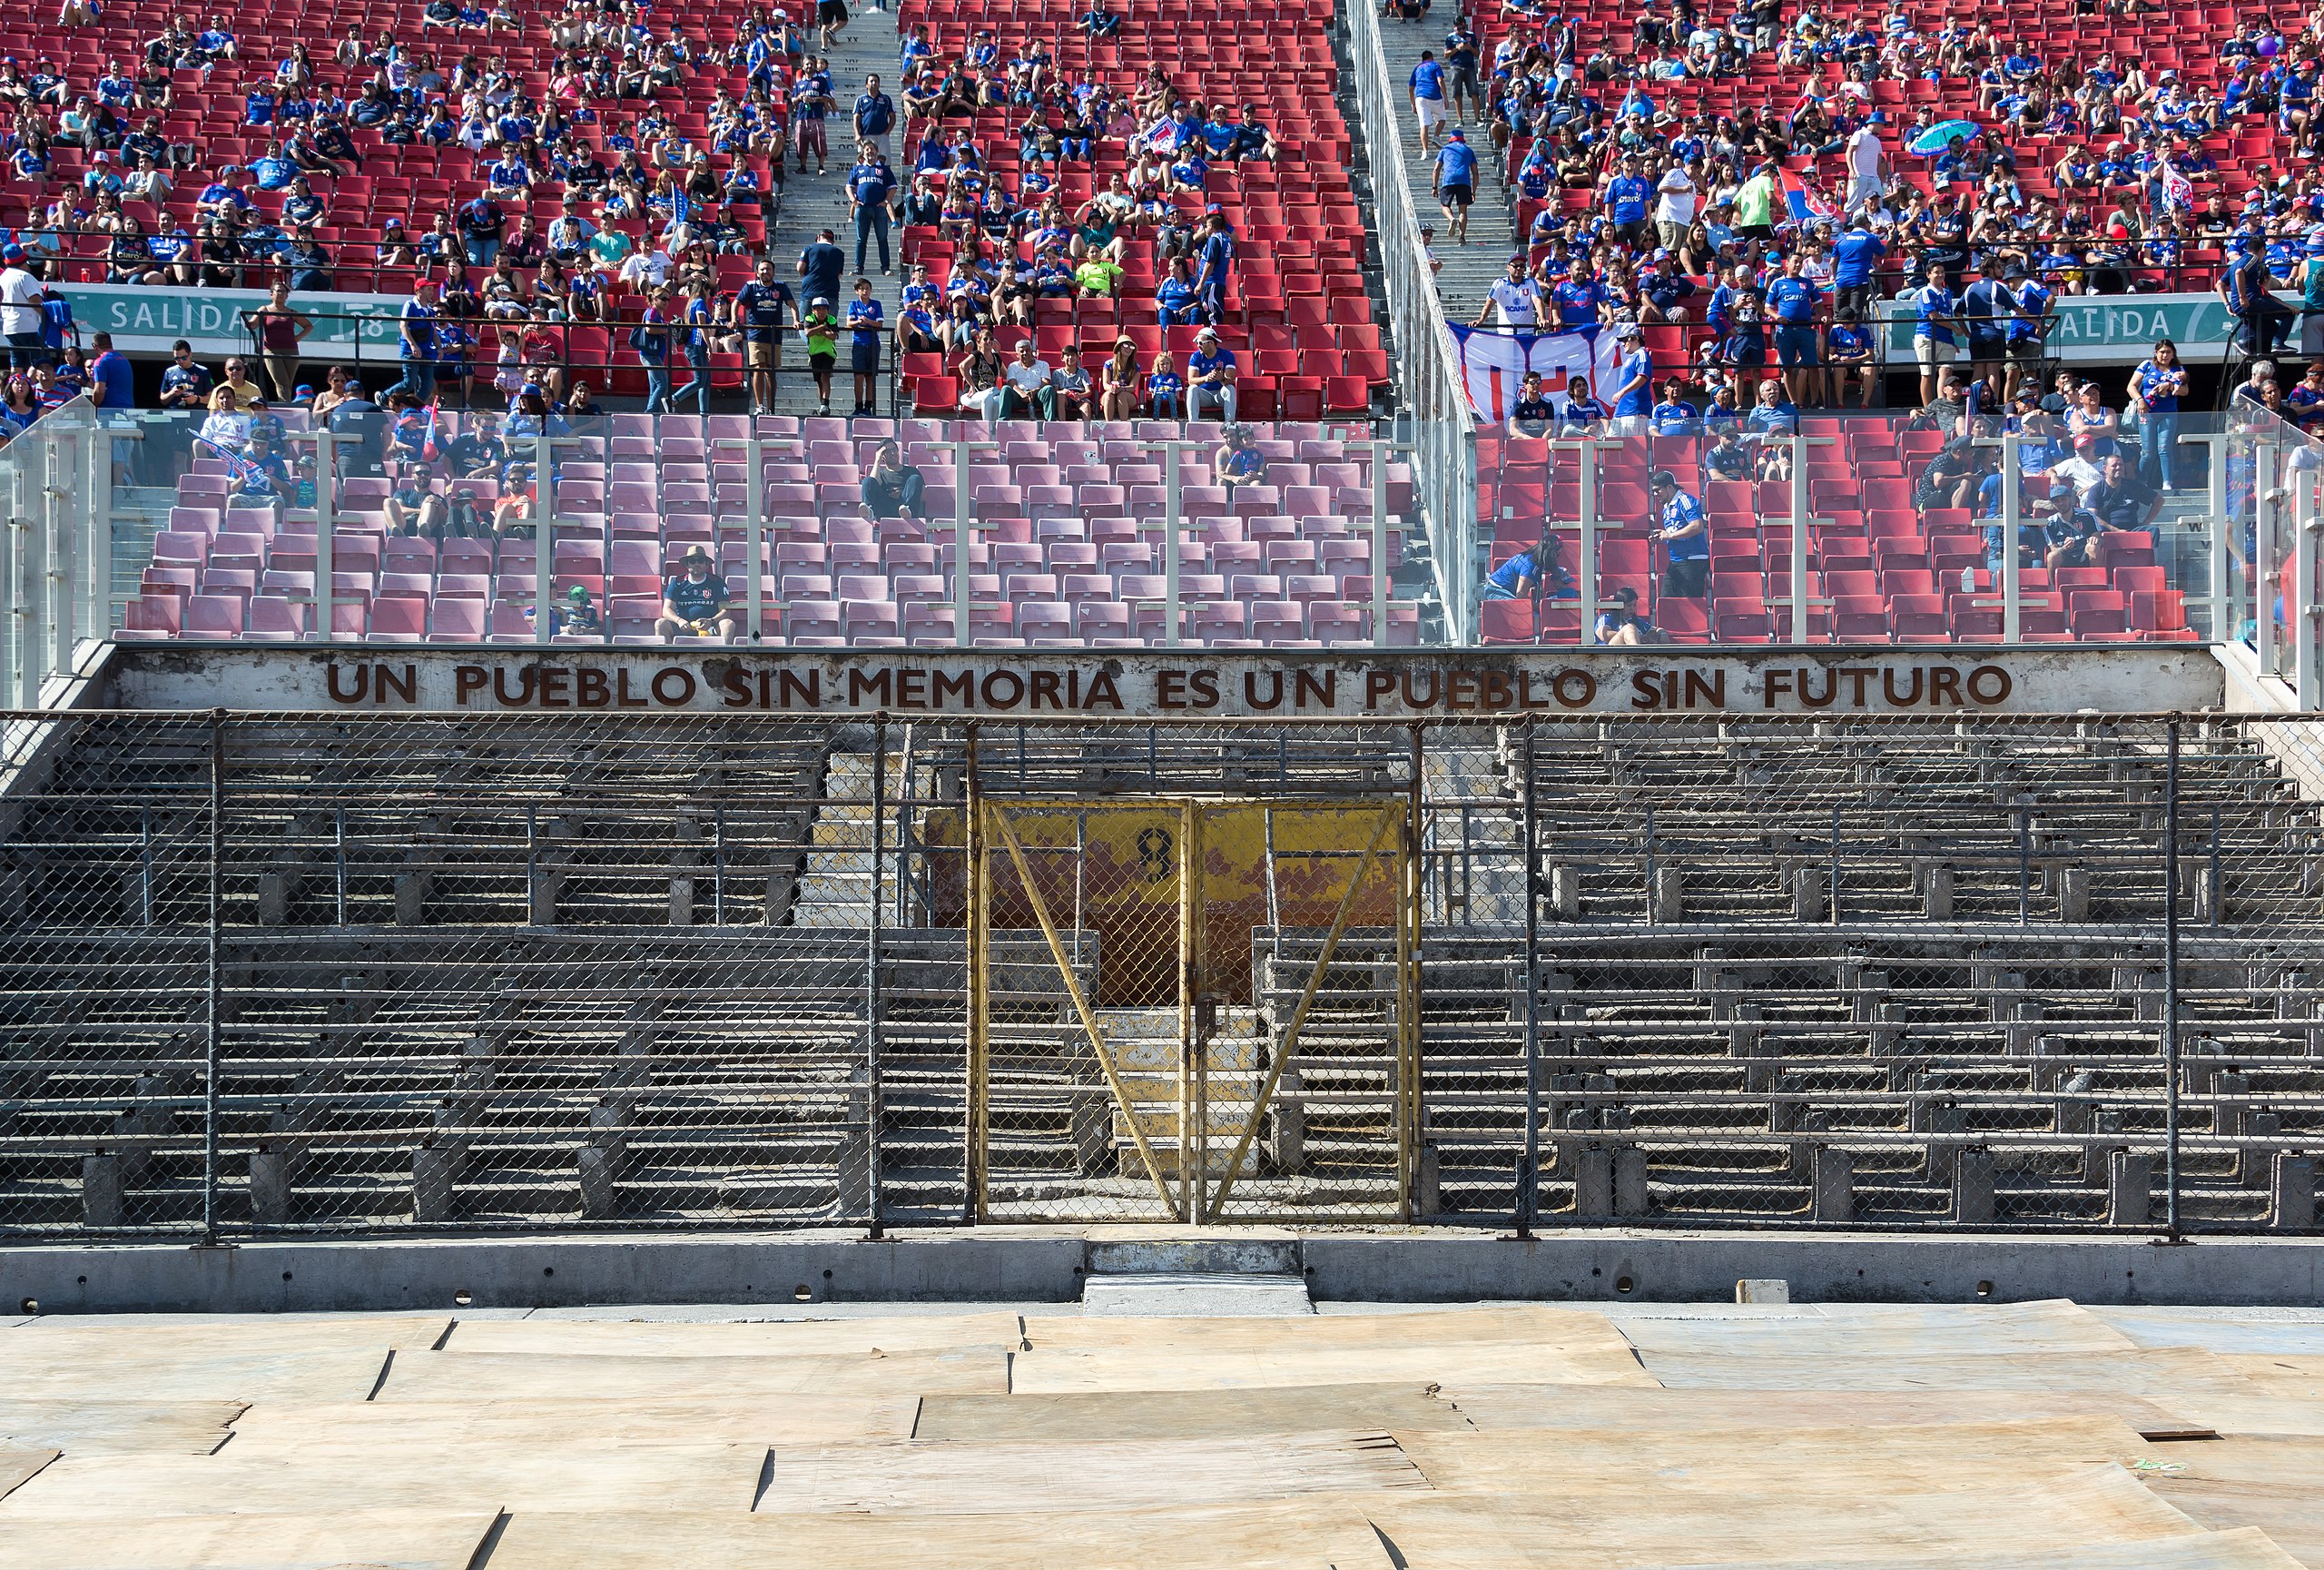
[
  {"x": 697, "y": 601},
  {"x": 1516, "y": 296},
  {"x": 1791, "y": 296},
  {"x": 2032, "y": 309},
  {"x": 1428, "y": 250},
  {"x": 1211, "y": 372},
  {"x": 1848, "y": 356},
  {"x": 1867, "y": 161},
  {"x": 1456, "y": 184},
  {"x": 821, "y": 328},
  {"x": 416, "y": 341},
  {"x": 1532, "y": 414},
  {"x": 1683, "y": 527},
  {"x": 2245, "y": 288},
  {"x": 1633, "y": 381},
  {"x": 21, "y": 294},
  {"x": 576, "y": 613}
]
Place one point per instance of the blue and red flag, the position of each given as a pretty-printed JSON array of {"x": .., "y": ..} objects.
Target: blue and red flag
[{"x": 1803, "y": 200}]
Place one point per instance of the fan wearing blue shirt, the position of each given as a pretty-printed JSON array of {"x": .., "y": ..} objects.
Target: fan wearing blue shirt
[
  {"x": 1935, "y": 316},
  {"x": 1425, "y": 87},
  {"x": 1684, "y": 530},
  {"x": 1456, "y": 184},
  {"x": 1791, "y": 298},
  {"x": 1626, "y": 195},
  {"x": 1855, "y": 256},
  {"x": 1633, "y": 381}
]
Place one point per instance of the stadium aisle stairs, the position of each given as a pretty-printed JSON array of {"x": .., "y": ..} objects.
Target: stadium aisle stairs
[
  {"x": 813, "y": 202},
  {"x": 1469, "y": 270}
]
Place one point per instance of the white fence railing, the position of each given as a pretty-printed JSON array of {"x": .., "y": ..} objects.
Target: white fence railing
[{"x": 1443, "y": 433}]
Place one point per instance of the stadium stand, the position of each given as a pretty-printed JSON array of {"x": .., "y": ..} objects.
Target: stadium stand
[
  {"x": 1067, "y": 551},
  {"x": 613, "y": 968}
]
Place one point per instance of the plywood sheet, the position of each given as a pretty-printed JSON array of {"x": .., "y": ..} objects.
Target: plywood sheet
[
  {"x": 2247, "y": 1548},
  {"x": 174, "y": 1374},
  {"x": 2258, "y": 1414},
  {"x": 322, "y": 1478},
  {"x": 1531, "y": 1345},
  {"x": 2218, "y": 1330},
  {"x": 2292, "y": 1514},
  {"x": 111, "y": 1540},
  {"x": 2162, "y": 1376},
  {"x": 1850, "y": 1331},
  {"x": 178, "y": 1336},
  {"x": 20, "y": 1464},
  {"x": 1185, "y": 1413},
  {"x": 1946, "y": 1458},
  {"x": 1644, "y": 1524},
  {"x": 1580, "y": 1332},
  {"x": 118, "y": 1427},
  {"x": 2286, "y": 1376},
  {"x": 1287, "y": 1535},
  {"x": 782, "y": 1419},
  {"x": 552, "y": 1377},
  {"x": 1494, "y": 1407},
  {"x": 758, "y": 1338},
  {"x": 947, "y": 1479}
]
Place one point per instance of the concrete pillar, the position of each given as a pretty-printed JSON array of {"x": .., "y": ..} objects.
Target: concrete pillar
[
  {"x": 1834, "y": 1198},
  {"x": 2074, "y": 893},
  {"x": 2130, "y": 1184},
  {"x": 269, "y": 1188},
  {"x": 101, "y": 1192},
  {"x": 1631, "y": 1195},
  {"x": 413, "y": 886},
  {"x": 1670, "y": 905},
  {"x": 2255, "y": 1164},
  {"x": 1290, "y": 1113},
  {"x": 1889, "y": 1034},
  {"x": 854, "y": 1154},
  {"x": 2025, "y": 1029},
  {"x": 1593, "y": 1184},
  {"x": 1807, "y": 894},
  {"x": 2293, "y": 1206},
  {"x": 597, "y": 1169},
  {"x": 1937, "y": 894},
  {"x": 1865, "y": 1001},
  {"x": 1565, "y": 893},
  {"x": 1428, "y": 1186},
  {"x": 540, "y": 901},
  {"x": 1092, "y": 1130},
  {"x": 2228, "y": 1117},
  {"x": 435, "y": 1169},
  {"x": 1973, "y": 1188},
  {"x": 1723, "y": 995}
]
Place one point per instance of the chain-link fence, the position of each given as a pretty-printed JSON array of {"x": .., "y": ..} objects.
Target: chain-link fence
[{"x": 268, "y": 973}]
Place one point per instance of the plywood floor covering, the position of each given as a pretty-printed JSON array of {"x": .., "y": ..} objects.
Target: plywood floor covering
[{"x": 2029, "y": 1436}]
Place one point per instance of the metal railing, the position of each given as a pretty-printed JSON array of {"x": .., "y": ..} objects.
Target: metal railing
[
  {"x": 363, "y": 973},
  {"x": 1436, "y": 401}
]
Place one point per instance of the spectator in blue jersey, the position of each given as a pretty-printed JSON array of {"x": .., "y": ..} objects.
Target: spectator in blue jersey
[
  {"x": 1456, "y": 184},
  {"x": 1425, "y": 88},
  {"x": 2156, "y": 388},
  {"x": 1791, "y": 298},
  {"x": 2244, "y": 286},
  {"x": 1214, "y": 264},
  {"x": 875, "y": 117},
  {"x": 871, "y": 197},
  {"x": 415, "y": 342},
  {"x": 1856, "y": 255},
  {"x": 1848, "y": 356},
  {"x": 1935, "y": 313},
  {"x": 1517, "y": 577},
  {"x": 865, "y": 335},
  {"x": 1633, "y": 380},
  {"x": 1674, "y": 416},
  {"x": 1210, "y": 377},
  {"x": 1684, "y": 530},
  {"x": 1628, "y": 195}
]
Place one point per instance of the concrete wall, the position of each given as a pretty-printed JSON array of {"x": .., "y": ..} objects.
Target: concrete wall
[{"x": 1027, "y": 1265}]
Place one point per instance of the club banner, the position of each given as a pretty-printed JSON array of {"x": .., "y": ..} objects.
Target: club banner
[{"x": 1493, "y": 364}]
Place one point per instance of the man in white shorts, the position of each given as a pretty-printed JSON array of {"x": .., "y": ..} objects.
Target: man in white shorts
[{"x": 1427, "y": 90}]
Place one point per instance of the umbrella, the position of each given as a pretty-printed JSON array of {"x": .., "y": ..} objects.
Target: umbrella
[{"x": 1939, "y": 136}]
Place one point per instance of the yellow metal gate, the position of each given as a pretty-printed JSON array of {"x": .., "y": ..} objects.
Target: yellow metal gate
[{"x": 1192, "y": 1010}]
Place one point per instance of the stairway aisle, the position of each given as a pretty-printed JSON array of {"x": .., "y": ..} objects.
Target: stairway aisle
[
  {"x": 811, "y": 203},
  {"x": 1469, "y": 270}
]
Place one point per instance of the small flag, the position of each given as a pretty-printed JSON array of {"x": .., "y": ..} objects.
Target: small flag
[
  {"x": 2177, "y": 190},
  {"x": 1804, "y": 202}
]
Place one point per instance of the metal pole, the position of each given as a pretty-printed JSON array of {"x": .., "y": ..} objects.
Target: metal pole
[
  {"x": 2307, "y": 631},
  {"x": 871, "y": 969},
  {"x": 57, "y": 580},
  {"x": 1529, "y": 1164},
  {"x": 754, "y": 527},
  {"x": 1585, "y": 566},
  {"x": 1187, "y": 963},
  {"x": 960, "y": 449},
  {"x": 325, "y": 596},
  {"x": 544, "y": 535},
  {"x": 972, "y": 880},
  {"x": 2171, "y": 982},
  {"x": 2266, "y": 511},
  {"x": 1174, "y": 519},
  {"x": 1381, "y": 450},
  {"x": 210, "y": 1023},
  {"x": 2012, "y": 513}
]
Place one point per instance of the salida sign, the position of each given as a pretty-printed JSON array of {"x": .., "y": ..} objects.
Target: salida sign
[{"x": 1454, "y": 683}]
